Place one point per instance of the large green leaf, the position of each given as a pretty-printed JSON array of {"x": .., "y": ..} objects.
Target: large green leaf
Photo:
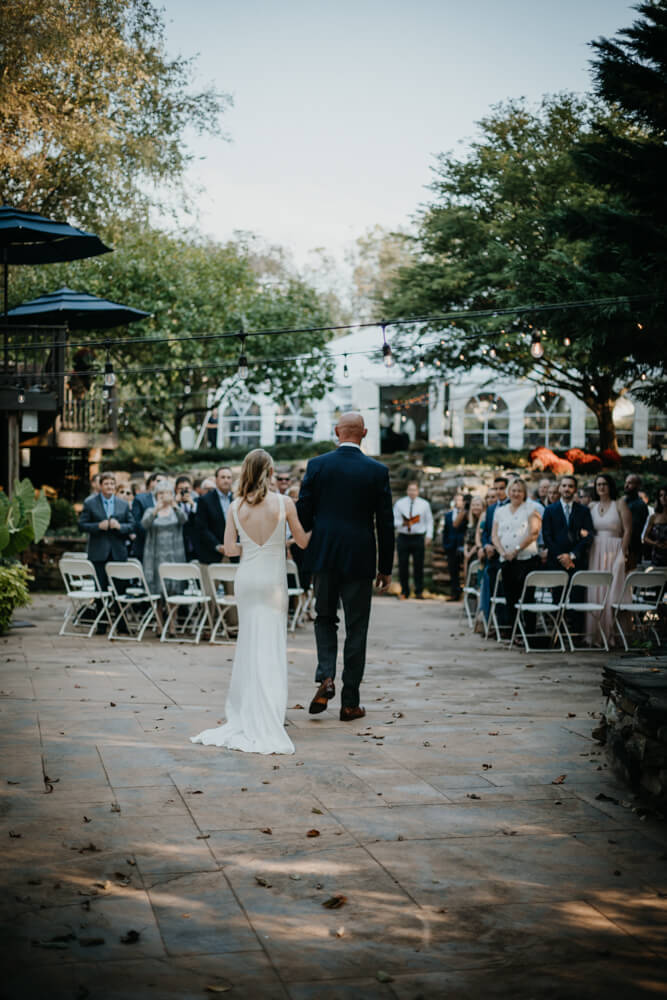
[
  {"x": 40, "y": 516},
  {"x": 4, "y": 537},
  {"x": 16, "y": 513},
  {"x": 26, "y": 492},
  {"x": 18, "y": 541}
]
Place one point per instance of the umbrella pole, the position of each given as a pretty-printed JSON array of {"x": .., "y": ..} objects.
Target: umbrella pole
[{"x": 4, "y": 316}]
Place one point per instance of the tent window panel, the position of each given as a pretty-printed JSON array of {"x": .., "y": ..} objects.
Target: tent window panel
[
  {"x": 486, "y": 420},
  {"x": 547, "y": 421}
]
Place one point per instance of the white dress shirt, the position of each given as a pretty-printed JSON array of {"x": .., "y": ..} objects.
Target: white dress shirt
[{"x": 405, "y": 507}]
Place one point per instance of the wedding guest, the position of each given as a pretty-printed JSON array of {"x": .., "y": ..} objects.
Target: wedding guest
[
  {"x": 184, "y": 501},
  {"x": 413, "y": 521},
  {"x": 141, "y": 503},
  {"x": 542, "y": 490},
  {"x": 163, "y": 527},
  {"x": 107, "y": 521},
  {"x": 585, "y": 495},
  {"x": 656, "y": 530},
  {"x": 516, "y": 526},
  {"x": 639, "y": 512},
  {"x": 567, "y": 530},
  {"x": 488, "y": 500},
  {"x": 212, "y": 510},
  {"x": 553, "y": 493},
  {"x": 124, "y": 491},
  {"x": 472, "y": 529},
  {"x": 492, "y": 565},
  {"x": 283, "y": 480},
  {"x": 609, "y": 551}
]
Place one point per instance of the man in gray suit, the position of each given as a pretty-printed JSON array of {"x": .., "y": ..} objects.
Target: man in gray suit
[{"x": 107, "y": 521}]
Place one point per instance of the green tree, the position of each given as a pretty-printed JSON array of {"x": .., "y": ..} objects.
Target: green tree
[
  {"x": 92, "y": 109},
  {"x": 628, "y": 231},
  {"x": 490, "y": 240},
  {"x": 190, "y": 287}
]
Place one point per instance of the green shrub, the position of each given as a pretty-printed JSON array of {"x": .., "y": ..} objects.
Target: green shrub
[
  {"x": 14, "y": 579},
  {"x": 63, "y": 514}
]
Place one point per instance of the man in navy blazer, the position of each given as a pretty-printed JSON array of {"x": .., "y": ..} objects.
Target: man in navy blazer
[
  {"x": 211, "y": 518},
  {"x": 345, "y": 499},
  {"x": 567, "y": 533},
  {"x": 107, "y": 521}
]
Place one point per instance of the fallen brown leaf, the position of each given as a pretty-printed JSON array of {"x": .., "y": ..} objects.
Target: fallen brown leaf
[
  {"x": 267, "y": 830},
  {"x": 297, "y": 705},
  {"x": 218, "y": 988},
  {"x": 335, "y": 902},
  {"x": 383, "y": 977},
  {"x": 131, "y": 937},
  {"x": 559, "y": 780},
  {"x": 313, "y": 833},
  {"x": 260, "y": 880}
]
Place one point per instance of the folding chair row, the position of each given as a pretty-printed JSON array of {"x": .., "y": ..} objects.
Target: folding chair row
[
  {"x": 88, "y": 606},
  {"x": 471, "y": 592}
]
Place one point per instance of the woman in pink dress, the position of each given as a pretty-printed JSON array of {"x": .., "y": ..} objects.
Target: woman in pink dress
[{"x": 612, "y": 521}]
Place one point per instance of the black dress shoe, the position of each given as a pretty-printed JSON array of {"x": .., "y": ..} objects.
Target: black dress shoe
[
  {"x": 323, "y": 695},
  {"x": 350, "y": 714}
]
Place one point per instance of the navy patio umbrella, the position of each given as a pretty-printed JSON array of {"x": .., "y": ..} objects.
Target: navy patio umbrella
[
  {"x": 28, "y": 238},
  {"x": 77, "y": 310}
]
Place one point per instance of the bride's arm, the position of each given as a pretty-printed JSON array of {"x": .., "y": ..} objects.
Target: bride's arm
[
  {"x": 300, "y": 536},
  {"x": 230, "y": 545}
]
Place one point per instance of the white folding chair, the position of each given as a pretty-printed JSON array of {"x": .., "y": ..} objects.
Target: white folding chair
[
  {"x": 594, "y": 604},
  {"x": 74, "y": 555},
  {"x": 547, "y": 580},
  {"x": 220, "y": 575},
  {"x": 471, "y": 592},
  {"x": 192, "y": 600},
  {"x": 497, "y": 600},
  {"x": 640, "y": 600},
  {"x": 137, "y": 607},
  {"x": 296, "y": 591},
  {"x": 88, "y": 604}
]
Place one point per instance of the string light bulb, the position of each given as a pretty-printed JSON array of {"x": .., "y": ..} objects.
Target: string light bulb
[
  {"x": 536, "y": 348},
  {"x": 492, "y": 352},
  {"x": 109, "y": 377},
  {"x": 20, "y": 395},
  {"x": 242, "y": 369},
  {"x": 346, "y": 370},
  {"x": 567, "y": 342}
]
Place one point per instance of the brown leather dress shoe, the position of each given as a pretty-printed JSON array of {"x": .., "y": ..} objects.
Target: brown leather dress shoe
[
  {"x": 350, "y": 714},
  {"x": 324, "y": 693}
]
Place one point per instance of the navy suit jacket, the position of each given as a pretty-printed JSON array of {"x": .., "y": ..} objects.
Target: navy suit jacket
[
  {"x": 345, "y": 498},
  {"x": 141, "y": 503},
  {"x": 210, "y": 523},
  {"x": 109, "y": 545},
  {"x": 559, "y": 537}
]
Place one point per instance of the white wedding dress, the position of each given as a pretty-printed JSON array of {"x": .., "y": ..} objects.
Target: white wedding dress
[{"x": 257, "y": 697}]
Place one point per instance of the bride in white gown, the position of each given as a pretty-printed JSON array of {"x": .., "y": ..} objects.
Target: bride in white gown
[{"x": 257, "y": 696}]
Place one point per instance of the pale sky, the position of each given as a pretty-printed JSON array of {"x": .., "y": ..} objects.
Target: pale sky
[{"x": 340, "y": 106}]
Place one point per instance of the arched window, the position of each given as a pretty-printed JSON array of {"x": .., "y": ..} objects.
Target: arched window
[
  {"x": 657, "y": 429},
  {"x": 624, "y": 422},
  {"x": 241, "y": 424},
  {"x": 486, "y": 420},
  {"x": 294, "y": 422},
  {"x": 546, "y": 422}
]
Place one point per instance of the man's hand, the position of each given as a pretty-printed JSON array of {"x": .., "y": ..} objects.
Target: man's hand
[
  {"x": 490, "y": 551},
  {"x": 565, "y": 561},
  {"x": 509, "y": 556},
  {"x": 383, "y": 580},
  {"x": 104, "y": 525},
  {"x": 113, "y": 523},
  {"x": 220, "y": 549}
]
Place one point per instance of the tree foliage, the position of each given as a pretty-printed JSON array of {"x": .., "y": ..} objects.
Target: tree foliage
[
  {"x": 92, "y": 109},
  {"x": 490, "y": 240},
  {"x": 194, "y": 286},
  {"x": 628, "y": 231}
]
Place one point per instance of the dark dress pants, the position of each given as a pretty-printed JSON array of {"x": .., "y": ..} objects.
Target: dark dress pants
[
  {"x": 355, "y": 595},
  {"x": 514, "y": 573},
  {"x": 407, "y": 546},
  {"x": 454, "y": 561}
]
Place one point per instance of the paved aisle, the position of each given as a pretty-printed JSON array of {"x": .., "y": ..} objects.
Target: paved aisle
[{"x": 467, "y": 871}]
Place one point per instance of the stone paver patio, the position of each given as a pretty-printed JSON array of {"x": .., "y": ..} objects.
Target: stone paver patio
[{"x": 467, "y": 871}]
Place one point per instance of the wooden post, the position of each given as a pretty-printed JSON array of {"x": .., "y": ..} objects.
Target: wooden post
[{"x": 9, "y": 448}]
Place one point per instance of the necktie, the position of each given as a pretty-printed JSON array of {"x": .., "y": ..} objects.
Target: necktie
[
  {"x": 410, "y": 515},
  {"x": 567, "y": 513}
]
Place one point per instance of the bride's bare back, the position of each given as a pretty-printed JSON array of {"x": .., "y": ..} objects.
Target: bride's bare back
[{"x": 260, "y": 520}]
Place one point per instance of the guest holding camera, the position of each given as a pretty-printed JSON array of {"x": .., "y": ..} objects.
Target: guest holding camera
[
  {"x": 163, "y": 525},
  {"x": 186, "y": 503}
]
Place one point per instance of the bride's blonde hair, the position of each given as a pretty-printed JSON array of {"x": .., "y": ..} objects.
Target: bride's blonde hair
[{"x": 255, "y": 476}]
